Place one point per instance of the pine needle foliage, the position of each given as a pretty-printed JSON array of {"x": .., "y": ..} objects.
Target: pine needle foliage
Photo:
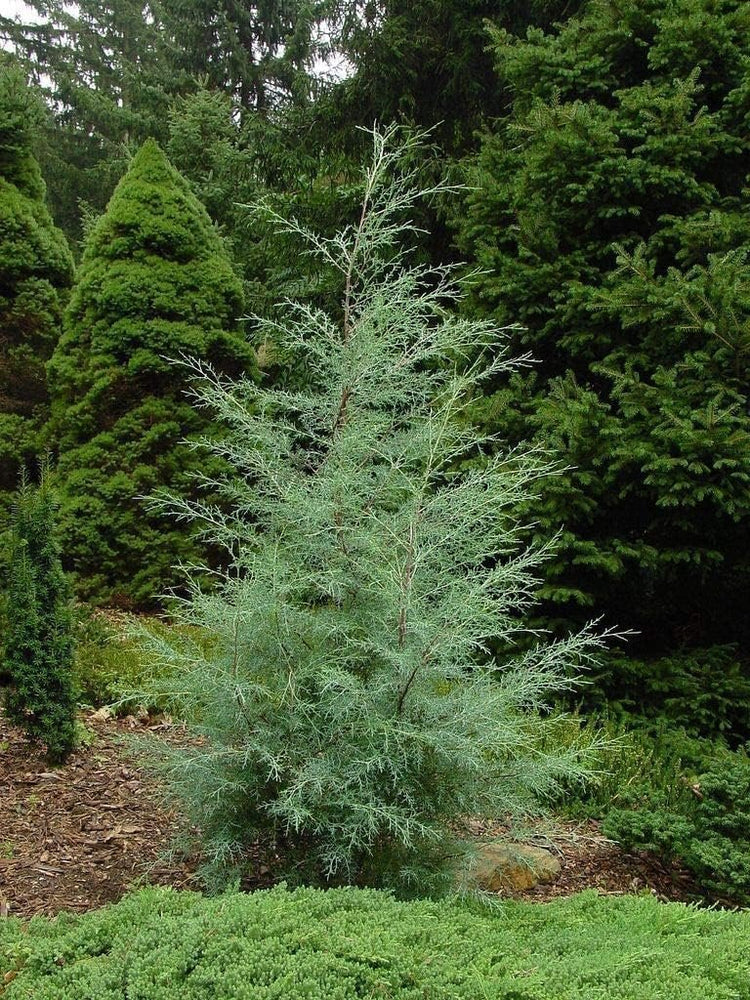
[
  {"x": 348, "y": 714},
  {"x": 39, "y": 638}
]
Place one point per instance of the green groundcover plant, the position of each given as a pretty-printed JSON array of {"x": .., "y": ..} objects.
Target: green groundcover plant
[
  {"x": 348, "y": 714},
  {"x": 706, "y": 827},
  {"x": 347, "y": 943}
]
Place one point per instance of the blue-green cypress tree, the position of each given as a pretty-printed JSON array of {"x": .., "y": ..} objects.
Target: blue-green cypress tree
[{"x": 348, "y": 717}]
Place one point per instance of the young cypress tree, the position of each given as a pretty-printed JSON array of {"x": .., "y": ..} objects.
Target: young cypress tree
[
  {"x": 35, "y": 265},
  {"x": 348, "y": 716},
  {"x": 155, "y": 282},
  {"x": 39, "y": 637}
]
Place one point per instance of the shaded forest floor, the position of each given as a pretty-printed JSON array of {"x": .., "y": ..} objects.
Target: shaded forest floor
[{"x": 81, "y": 835}]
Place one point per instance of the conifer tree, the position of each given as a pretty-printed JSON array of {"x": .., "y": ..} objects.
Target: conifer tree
[
  {"x": 35, "y": 267},
  {"x": 155, "y": 282},
  {"x": 110, "y": 72},
  {"x": 348, "y": 718},
  {"x": 39, "y": 638},
  {"x": 610, "y": 220},
  {"x": 428, "y": 62}
]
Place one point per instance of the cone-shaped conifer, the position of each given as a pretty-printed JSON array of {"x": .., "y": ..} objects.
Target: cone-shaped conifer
[
  {"x": 35, "y": 264},
  {"x": 155, "y": 283}
]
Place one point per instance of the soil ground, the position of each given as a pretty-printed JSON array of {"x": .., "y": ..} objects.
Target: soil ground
[{"x": 79, "y": 836}]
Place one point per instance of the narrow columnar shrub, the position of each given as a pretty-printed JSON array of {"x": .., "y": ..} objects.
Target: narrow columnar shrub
[
  {"x": 348, "y": 711},
  {"x": 39, "y": 640}
]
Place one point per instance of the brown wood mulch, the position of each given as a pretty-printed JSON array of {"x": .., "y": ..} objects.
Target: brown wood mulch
[
  {"x": 78, "y": 836},
  {"x": 81, "y": 835}
]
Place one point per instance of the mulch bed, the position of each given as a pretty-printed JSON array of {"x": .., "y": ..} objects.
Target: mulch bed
[
  {"x": 78, "y": 836},
  {"x": 81, "y": 835}
]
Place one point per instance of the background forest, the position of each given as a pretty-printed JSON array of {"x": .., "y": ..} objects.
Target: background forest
[{"x": 588, "y": 170}]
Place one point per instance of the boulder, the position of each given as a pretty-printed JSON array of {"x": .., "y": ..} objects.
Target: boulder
[{"x": 513, "y": 867}]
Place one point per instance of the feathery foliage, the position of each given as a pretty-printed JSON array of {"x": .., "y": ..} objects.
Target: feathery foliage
[{"x": 348, "y": 711}]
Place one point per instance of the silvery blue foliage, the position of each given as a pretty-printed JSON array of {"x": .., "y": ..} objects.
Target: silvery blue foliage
[{"x": 349, "y": 711}]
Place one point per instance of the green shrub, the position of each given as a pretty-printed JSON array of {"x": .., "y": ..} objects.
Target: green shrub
[
  {"x": 705, "y": 692},
  {"x": 662, "y": 790},
  {"x": 709, "y": 832},
  {"x": 347, "y": 943},
  {"x": 113, "y": 666},
  {"x": 39, "y": 641}
]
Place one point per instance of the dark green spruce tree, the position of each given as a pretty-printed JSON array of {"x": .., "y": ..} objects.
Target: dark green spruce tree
[
  {"x": 155, "y": 283},
  {"x": 35, "y": 267},
  {"x": 428, "y": 62},
  {"x": 39, "y": 636},
  {"x": 610, "y": 220}
]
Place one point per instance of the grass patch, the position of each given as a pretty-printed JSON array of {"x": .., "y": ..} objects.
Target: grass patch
[
  {"x": 159, "y": 944},
  {"x": 114, "y": 665}
]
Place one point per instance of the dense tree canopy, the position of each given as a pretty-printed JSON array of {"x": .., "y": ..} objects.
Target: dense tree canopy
[
  {"x": 608, "y": 215},
  {"x": 353, "y": 514},
  {"x": 155, "y": 283},
  {"x": 112, "y": 71},
  {"x": 610, "y": 218},
  {"x": 428, "y": 62}
]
